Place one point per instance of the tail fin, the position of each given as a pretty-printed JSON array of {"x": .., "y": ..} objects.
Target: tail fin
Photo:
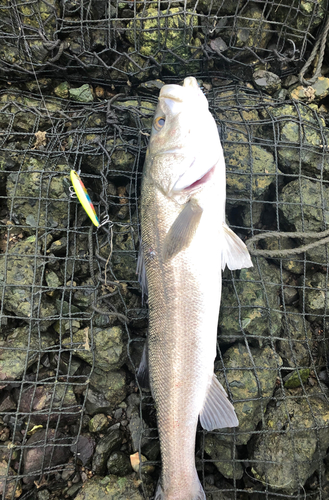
[{"x": 199, "y": 494}]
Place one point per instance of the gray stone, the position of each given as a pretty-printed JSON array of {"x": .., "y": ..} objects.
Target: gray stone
[
  {"x": 37, "y": 196},
  {"x": 21, "y": 348},
  {"x": 109, "y": 344},
  {"x": 111, "y": 487},
  {"x": 81, "y": 94},
  {"x": 111, "y": 385},
  {"x": 302, "y": 19},
  {"x": 98, "y": 423},
  {"x": 295, "y": 344},
  {"x": 224, "y": 457},
  {"x": 118, "y": 464},
  {"x": 36, "y": 459},
  {"x": 174, "y": 28},
  {"x": 294, "y": 440},
  {"x": 110, "y": 442},
  {"x": 316, "y": 296},
  {"x": 20, "y": 275},
  {"x": 252, "y": 305},
  {"x": 267, "y": 81},
  {"x": 251, "y": 379}
]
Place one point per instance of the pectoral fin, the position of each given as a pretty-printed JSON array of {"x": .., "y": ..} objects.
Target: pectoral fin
[
  {"x": 217, "y": 411},
  {"x": 182, "y": 231},
  {"x": 235, "y": 254}
]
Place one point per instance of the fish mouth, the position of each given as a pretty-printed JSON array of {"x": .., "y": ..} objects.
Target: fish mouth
[
  {"x": 195, "y": 185},
  {"x": 203, "y": 180},
  {"x": 170, "y": 96}
]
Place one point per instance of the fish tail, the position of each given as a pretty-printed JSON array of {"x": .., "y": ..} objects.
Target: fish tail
[{"x": 199, "y": 494}]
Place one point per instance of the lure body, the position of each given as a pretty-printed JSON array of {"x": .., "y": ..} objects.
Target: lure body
[{"x": 84, "y": 197}]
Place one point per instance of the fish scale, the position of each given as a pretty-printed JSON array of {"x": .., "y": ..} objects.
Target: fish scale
[{"x": 185, "y": 243}]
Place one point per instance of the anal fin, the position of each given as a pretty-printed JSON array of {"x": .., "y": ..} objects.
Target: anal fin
[{"x": 217, "y": 412}]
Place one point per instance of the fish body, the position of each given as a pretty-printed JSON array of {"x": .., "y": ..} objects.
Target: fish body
[{"x": 185, "y": 245}]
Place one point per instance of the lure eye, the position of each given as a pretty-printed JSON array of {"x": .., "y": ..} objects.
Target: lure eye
[{"x": 159, "y": 123}]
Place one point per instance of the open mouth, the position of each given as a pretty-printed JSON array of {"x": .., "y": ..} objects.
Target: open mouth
[{"x": 205, "y": 178}]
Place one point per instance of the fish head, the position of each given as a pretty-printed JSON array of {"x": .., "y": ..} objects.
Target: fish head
[{"x": 184, "y": 148}]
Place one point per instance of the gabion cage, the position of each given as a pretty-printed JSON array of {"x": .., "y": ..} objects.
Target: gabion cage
[{"x": 79, "y": 86}]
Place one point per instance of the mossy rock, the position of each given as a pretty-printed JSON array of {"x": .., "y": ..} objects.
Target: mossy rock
[
  {"x": 251, "y": 305},
  {"x": 21, "y": 271},
  {"x": 113, "y": 487},
  {"x": 37, "y": 195},
  {"x": 106, "y": 346},
  {"x": 294, "y": 439},
  {"x": 251, "y": 375}
]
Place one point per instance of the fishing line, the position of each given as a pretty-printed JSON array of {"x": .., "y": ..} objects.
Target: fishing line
[{"x": 323, "y": 238}]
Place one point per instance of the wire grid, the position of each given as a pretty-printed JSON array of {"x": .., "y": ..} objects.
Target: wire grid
[
  {"x": 88, "y": 41},
  {"x": 96, "y": 273}
]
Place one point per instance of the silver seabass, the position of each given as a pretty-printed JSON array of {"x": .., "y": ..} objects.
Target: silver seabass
[{"x": 185, "y": 246}]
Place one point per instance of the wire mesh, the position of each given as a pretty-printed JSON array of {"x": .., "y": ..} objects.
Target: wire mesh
[{"x": 73, "y": 322}]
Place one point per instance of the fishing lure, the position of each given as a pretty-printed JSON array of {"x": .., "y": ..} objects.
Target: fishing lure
[{"x": 83, "y": 197}]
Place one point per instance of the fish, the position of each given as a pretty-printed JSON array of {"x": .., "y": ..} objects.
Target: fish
[{"x": 185, "y": 245}]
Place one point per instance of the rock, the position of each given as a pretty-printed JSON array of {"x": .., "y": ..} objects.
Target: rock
[
  {"x": 81, "y": 94},
  {"x": 83, "y": 448},
  {"x": 20, "y": 273},
  {"x": 152, "y": 87},
  {"x": 251, "y": 380},
  {"x": 98, "y": 423},
  {"x": 22, "y": 348},
  {"x": 224, "y": 457},
  {"x": 296, "y": 378},
  {"x": 44, "y": 449},
  {"x": 141, "y": 434},
  {"x": 10, "y": 486},
  {"x": 267, "y": 81},
  {"x": 293, "y": 263},
  {"x": 43, "y": 495},
  {"x": 110, "y": 391},
  {"x": 250, "y": 30},
  {"x": 302, "y": 129},
  {"x": 110, "y": 442},
  {"x": 111, "y": 487},
  {"x": 241, "y": 160},
  {"x": 36, "y": 195},
  {"x": 315, "y": 92},
  {"x": 172, "y": 29},
  {"x": 304, "y": 206},
  {"x": 316, "y": 296},
  {"x": 295, "y": 343},
  {"x": 109, "y": 344},
  {"x": 62, "y": 90},
  {"x": 135, "y": 111},
  {"x": 139, "y": 463},
  {"x": 252, "y": 305},
  {"x": 60, "y": 398},
  {"x": 301, "y": 18},
  {"x": 118, "y": 464},
  {"x": 293, "y": 440}
]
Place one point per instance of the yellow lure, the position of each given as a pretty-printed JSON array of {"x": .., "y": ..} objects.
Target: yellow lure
[{"x": 83, "y": 197}]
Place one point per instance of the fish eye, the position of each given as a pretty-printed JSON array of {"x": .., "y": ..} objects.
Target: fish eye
[{"x": 159, "y": 123}]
